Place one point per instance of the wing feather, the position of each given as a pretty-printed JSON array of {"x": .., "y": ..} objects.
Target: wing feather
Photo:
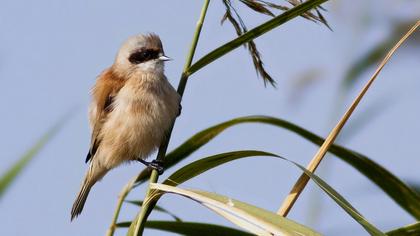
[{"x": 106, "y": 88}]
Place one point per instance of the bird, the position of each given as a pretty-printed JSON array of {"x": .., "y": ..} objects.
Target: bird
[{"x": 132, "y": 109}]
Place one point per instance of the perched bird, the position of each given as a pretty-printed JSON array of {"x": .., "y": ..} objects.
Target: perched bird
[{"x": 133, "y": 106}]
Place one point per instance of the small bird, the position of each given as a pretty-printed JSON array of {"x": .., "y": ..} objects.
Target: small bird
[{"x": 132, "y": 109}]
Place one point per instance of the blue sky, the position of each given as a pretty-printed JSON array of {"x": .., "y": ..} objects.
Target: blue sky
[{"x": 51, "y": 52}]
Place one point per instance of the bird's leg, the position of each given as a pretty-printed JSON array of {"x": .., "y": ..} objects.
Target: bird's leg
[
  {"x": 179, "y": 109},
  {"x": 155, "y": 164}
]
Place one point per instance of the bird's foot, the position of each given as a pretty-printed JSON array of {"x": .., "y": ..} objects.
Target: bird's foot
[{"x": 155, "y": 164}]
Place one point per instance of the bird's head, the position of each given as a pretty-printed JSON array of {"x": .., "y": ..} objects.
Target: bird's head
[{"x": 141, "y": 53}]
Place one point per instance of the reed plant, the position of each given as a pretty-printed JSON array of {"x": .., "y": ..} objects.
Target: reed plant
[{"x": 250, "y": 218}]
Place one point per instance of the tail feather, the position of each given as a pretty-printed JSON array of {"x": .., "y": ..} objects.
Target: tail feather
[
  {"x": 94, "y": 173},
  {"x": 81, "y": 198}
]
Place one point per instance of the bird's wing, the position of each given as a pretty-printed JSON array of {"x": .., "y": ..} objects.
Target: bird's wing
[{"x": 106, "y": 88}]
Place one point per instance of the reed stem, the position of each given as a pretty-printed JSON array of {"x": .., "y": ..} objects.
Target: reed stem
[
  {"x": 316, "y": 160},
  {"x": 148, "y": 205}
]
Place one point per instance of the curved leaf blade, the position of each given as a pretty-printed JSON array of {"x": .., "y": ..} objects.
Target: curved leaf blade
[
  {"x": 157, "y": 208},
  {"x": 400, "y": 192},
  {"x": 254, "y": 33},
  {"x": 244, "y": 215},
  {"x": 190, "y": 228},
  {"x": 409, "y": 230},
  {"x": 198, "y": 167},
  {"x": 215, "y": 160},
  {"x": 372, "y": 230},
  {"x": 10, "y": 175}
]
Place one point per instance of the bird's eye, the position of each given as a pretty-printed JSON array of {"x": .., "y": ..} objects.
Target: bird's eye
[
  {"x": 146, "y": 54},
  {"x": 141, "y": 56}
]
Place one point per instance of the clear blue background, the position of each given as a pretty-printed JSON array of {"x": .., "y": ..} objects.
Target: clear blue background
[{"x": 51, "y": 52}]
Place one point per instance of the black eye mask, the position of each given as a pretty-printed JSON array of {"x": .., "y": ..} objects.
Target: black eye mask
[{"x": 143, "y": 56}]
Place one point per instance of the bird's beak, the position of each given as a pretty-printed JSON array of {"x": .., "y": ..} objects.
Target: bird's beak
[{"x": 164, "y": 58}]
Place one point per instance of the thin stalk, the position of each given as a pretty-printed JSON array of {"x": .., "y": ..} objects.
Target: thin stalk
[
  {"x": 123, "y": 194},
  {"x": 303, "y": 179},
  {"x": 148, "y": 205}
]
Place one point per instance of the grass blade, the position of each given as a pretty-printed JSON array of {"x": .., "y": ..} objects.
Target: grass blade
[
  {"x": 414, "y": 186},
  {"x": 401, "y": 193},
  {"x": 204, "y": 164},
  {"x": 372, "y": 230},
  {"x": 316, "y": 160},
  {"x": 207, "y": 163},
  {"x": 10, "y": 175},
  {"x": 198, "y": 167},
  {"x": 190, "y": 228},
  {"x": 366, "y": 61},
  {"x": 157, "y": 208},
  {"x": 373, "y": 56},
  {"x": 253, "y": 34},
  {"x": 409, "y": 230},
  {"x": 252, "y": 218}
]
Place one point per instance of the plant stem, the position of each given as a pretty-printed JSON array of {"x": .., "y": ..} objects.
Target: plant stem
[
  {"x": 316, "y": 160},
  {"x": 147, "y": 205},
  {"x": 190, "y": 69},
  {"x": 123, "y": 194}
]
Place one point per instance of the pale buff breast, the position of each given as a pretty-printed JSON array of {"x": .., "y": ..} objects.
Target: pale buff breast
[{"x": 142, "y": 113}]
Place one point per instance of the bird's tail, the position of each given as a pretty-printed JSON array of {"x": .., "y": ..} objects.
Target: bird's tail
[
  {"x": 81, "y": 198},
  {"x": 90, "y": 179}
]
